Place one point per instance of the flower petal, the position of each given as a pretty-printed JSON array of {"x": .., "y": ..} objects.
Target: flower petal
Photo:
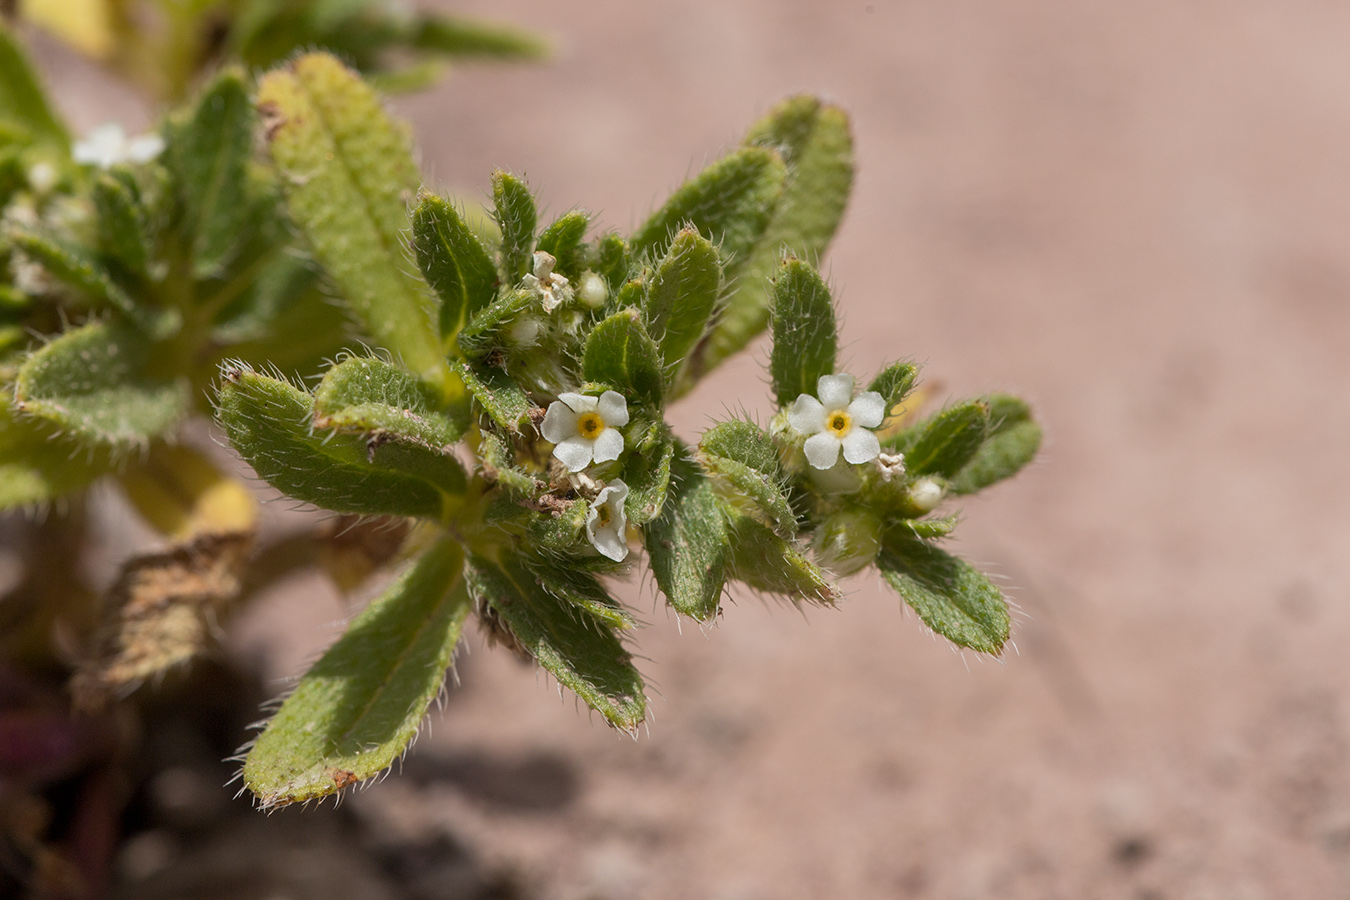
[
  {"x": 860, "y": 445},
  {"x": 868, "y": 410},
  {"x": 144, "y": 148},
  {"x": 579, "y": 403},
  {"x": 807, "y": 415},
  {"x": 835, "y": 391},
  {"x": 576, "y": 453},
  {"x": 607, "y": 445},
  {"x": 560, "y": 423},
  {"x": 822, "y": 450},
  {"x": 613, "y": 408}
]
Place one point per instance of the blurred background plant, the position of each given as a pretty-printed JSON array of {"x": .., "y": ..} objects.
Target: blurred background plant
[{"x": 129, "y": 266}]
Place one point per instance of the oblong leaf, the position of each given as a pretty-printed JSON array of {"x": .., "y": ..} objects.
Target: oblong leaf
[
  {"x": 346, "y": 169},
  {"x": 121, "y": 225},
  {"x": 621, "y": 354},
  {"x": 498, "y": 396},
  {"x": 356, "y": 710},
  {"x": 946, "y": 441},
  {"x": 767, "y": 562},
  {"x": 814, "y": 140},
  {"x": 516, "y": 216},
  {"x": 580, "y": 650},
  {"x": 894, "y": 382},
  {"x": 453, "y": 262},
  {"x": 562, "y": 240},
  {"x": 743, "y": 454},
  {"x": 37, "y": 465},
  {"x": 377, "y": 398},
  {"x": 688, "y": 544},
  {"x": 1011, "y": 442},
  {"x": 805, "y": 340},
  {"x": 730, "y": 202},
  {"x": 951, "y": 596},
  {"x": 269, "y": 422},
  {"x": 95, "y": 383},
  {"x": 682, "y": 296}
]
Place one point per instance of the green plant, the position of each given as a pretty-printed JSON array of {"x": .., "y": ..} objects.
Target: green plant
[{"x": 506, "y": 412}]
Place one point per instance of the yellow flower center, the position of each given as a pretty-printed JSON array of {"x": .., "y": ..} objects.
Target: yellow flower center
[
  {"x": 602, "y": 516},
  {"x": 839, "y": 422},
  {"x": 589, "y": 425}
]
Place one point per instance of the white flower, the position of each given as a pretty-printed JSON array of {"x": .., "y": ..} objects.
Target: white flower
[
  {"x": 583, "y": 428},
  {"x": 108, "y": 145},
  {"x": 606, "y": 524},
  {"x": 838, "y": 421},
  {"x": 593, "y": 290},
  {"x": 553, "y": 290}
]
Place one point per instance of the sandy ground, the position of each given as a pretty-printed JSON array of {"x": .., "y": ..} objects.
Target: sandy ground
[{"x": 1137, "y": 216}]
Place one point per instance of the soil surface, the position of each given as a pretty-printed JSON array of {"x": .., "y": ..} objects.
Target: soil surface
[{"x": 1137, "y": 216}]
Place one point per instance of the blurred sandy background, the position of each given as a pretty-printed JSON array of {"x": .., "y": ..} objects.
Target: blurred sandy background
[{"x": 1136, "y": 215}]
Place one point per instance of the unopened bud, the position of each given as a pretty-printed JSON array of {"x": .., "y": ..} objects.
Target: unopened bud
[
  {"x": 593, "y": 291},
  {"x": 848, "y": 540}
]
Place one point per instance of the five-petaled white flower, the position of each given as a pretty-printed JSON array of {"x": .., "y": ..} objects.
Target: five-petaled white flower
[
  {"x": 584, "y": 428},
  {"x": 837, "y": 420},
  {"x": 606, "y": 524},
  {"x": 108, "y": 145},
  {"x": 553, "y": 290}
]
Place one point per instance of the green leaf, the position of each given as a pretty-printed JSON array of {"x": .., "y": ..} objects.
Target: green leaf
[
  {"x": 612, "y": 261},
  {"x": 499, "y": 466},
  {"x": 461, "y": 37},
  {"x": 768, "y": 563},
  {"x": 579, "y": 649},
  {"x": 943, "y": 443},
  {"x": 453, "y": 262},
  {"x": 562, "y": 241},
  {"x": 380, "y": 399},
  {"x": 500, "y": 397},
  {"x": 952, "y": 597},
  {"x": 930, "y": 529},
  {"x": 804, "y": 338},
  {"x": 208, "y": 158},
  {"x": 357, "y": 709},
  {"x": 489, "y": 331},
  {"x": 268, "y": 422},
  {"x": 346, "y": 169},
  {"x": 682, "y": 296},
  {"x": 813, "y": 139},
  {"x": 37, "y": 465},
  {"x": 731, "y": 203},
  {"x": 894, "y": 382},
  {"x": 647, "y": 474},
  {"x": 22, "y": 100},
  {"x": 619, "y": 353},
  {"x": 517, "y": 217},
  {"x": 744, "y": 455},
  {"x": 121, "y": 225},
  {"x": 688, "y": 544},
  {"x": 77, "y": 268},
  {"x": 1011, "y": 442},
  {"x": 95, "y": 383}
]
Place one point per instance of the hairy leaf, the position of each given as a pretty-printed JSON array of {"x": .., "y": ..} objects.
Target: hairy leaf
[
  {"x": 376, "y": 398},
  {"x": 688, "y": 544},
  {"x": 453, "y": 262},
  {"x": 554, "y": 625},
  {"x": 619, "y": 353},
  {"x": 767, "y": 562},
  {"x": 943, "y": 443},
  {"x": 357, "y": 709},
  {"x": 208, "y": 158},
  {"x": 804, "y": 337},
  {"x": 894, "y": 382},
  {"x": 37, "y": 465},
  {"x": 744, "y": 455},
  {"x": 813, "y": 139},
  {"x": 346, "y": 170},
  {"x": 952, "y": 597},
  {"x": 490, "y": 330},
  {"x": 121, "y": 225},
  {"x": 682, "y": 296},
  {"x": 731, "y": 203},
  {"x": 1011, "y": 442},
  {"x": 95, "y": 383},
  {"x": 517, "y": 217},
  {"x": 500, "y": 397},
  {"x": 269, "y": 422},
  {"x": 562, "y": 240},
  {"x": 647, "y": 475}
]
